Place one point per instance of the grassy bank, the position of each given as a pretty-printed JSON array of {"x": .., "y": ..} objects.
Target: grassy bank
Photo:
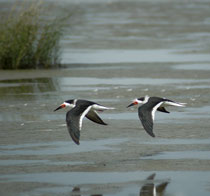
[{"x": 29, "y": 41}]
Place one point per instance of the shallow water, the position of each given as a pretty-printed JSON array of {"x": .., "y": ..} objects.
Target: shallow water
[
  {"x": 119, "y": 50},
  {"x": 129, "y": 56},
  {"x": 119, "y": 183}
]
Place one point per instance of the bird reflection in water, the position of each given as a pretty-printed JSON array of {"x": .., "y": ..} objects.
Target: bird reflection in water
[
  {"x": 150, "y": 189},
  {"x": 76, "y": 192}
]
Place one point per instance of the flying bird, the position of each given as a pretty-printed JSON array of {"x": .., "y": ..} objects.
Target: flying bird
[
  {"x": 80, "y": 109},
  {"x": 148, "y": 108}
]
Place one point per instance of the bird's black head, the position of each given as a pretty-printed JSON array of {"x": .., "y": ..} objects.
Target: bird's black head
[
  {"x": 141, "y": 99},
  {"x": 68, "y": 103}
]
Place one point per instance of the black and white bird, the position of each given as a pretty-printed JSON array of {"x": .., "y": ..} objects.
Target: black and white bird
[
  {"x": 147, "y": 110},
  {"x": 80, "y": 109}
]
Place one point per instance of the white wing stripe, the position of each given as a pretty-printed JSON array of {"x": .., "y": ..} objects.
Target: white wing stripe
[
  {"x": 174, "y": 104},
  {"x": 82, "y": 116},
  {"x": 100, "y": 107},
  {"x": 154, "y": 110}
]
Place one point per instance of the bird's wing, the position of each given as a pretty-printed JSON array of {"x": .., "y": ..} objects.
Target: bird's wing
[
  {"x": 154, "y": 108},
  {"x": 146, "y": 120},
  {"x": 162, "y": 109},
  {"x": 93, "y": 116},
  {"x": 147, "y": 116},
  {"x": 168, "y": 102},
  {"x": 74, "y": 119}
]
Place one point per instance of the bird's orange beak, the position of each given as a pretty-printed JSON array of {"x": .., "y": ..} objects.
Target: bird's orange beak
[
  {"x": 61, "y": 106},
  {"x": 132, "y": 104}
]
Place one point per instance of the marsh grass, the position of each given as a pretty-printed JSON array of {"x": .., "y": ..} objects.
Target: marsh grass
[{"x": 28, "y": 40}]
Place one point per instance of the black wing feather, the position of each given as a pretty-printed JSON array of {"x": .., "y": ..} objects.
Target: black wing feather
[
  {"x": 162, "y": 109},
  {"x": 92, "y": 115},
  {"x": 73, "y": 126},
  {"x": 145, "y": 114},
  {"x": 72, "y": 121},
  {"x": 146, "y": 120}
]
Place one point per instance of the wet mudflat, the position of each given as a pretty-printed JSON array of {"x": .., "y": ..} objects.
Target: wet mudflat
[{"x": 123, "y": 50}]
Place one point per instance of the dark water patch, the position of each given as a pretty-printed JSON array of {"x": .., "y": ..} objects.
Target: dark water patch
[
  {"x": 21, "y": 162},
  {"x": 15, "y": 162},
  {"x": 100, "y": 67},
  {"x": 199, "y": 155},
  {"x": 61, "y": 147},
  {"x": 26, "y": 81},
  {"x": 27, "y": 86}
]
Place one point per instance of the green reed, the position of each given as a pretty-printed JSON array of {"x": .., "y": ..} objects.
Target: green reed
[{"x": 29, "y": 41}]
